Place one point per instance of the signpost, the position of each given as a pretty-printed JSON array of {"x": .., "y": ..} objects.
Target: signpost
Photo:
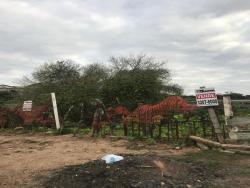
[
  {"x": 207, "y": 97},
  {"x": 27, "y": 106}
]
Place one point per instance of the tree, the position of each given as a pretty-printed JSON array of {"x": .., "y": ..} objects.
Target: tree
[
  {"x": 139, "y": 62},
  {"x": 74, "y": 86},
  {"x": 137, "y": 79},
  {"x": 236, "y": 95},
  {"x": 129, "y": 81},
  {"x": 7, "y": 96},
  {"x": 60, "y": 72},
  {"x": 60, "y": 77},
  {"x": 89, "y": 89}
]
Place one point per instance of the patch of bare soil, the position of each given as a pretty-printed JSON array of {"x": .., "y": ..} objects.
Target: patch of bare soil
[
  {"x": 39, "y": 160},
  {"x": 134, "y": 171},
  {"x": 24, "y": 157},
  {"x": 229, "y": 170},
  {"x": 197, "y": 169}
]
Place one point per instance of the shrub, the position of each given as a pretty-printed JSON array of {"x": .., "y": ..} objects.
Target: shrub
[{"x": 151, "y": 141}]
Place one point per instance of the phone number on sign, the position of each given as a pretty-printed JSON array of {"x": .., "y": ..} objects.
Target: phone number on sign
[{"x": 208, "y": 102}]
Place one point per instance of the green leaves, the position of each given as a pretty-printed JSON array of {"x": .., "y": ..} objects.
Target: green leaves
[
  {"x": 137, "y": 79},
  {"x": 60, "y": 72},
  {"x": 126, "y": 81}
]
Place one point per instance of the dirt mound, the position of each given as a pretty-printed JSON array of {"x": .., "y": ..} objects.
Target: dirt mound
[{"x": 133, "y": 171}]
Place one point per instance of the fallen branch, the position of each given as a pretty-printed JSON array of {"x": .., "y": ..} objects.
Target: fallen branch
[{"x": 219, "y": 145}]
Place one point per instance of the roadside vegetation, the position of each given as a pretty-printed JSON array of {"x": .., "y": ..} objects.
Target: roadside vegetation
[{"x": 126, "y": 81}]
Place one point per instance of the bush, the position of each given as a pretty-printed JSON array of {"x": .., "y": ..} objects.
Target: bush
[
  {"x": 151, "y": 141},
  {"x": 84, "y": 131},
  {"x": 67, "y": 130}
]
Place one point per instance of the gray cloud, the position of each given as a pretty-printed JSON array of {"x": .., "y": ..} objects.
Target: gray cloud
[{"x": 204, "y": 42}]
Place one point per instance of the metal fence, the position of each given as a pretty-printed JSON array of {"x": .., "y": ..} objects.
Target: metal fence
[{"x": 176, "y": 130}]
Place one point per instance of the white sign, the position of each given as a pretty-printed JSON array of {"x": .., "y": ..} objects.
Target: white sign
[
  {"x": 27, "y": 106},
  {"x": 206, "y": 97}
]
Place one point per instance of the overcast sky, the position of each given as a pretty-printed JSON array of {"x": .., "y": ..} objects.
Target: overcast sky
[{"x": 205, "y": 42}]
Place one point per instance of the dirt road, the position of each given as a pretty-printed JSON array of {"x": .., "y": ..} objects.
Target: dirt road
[{"x": 25, "y": 157}]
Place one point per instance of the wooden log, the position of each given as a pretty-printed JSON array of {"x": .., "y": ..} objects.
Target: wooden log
[
  {"x": 202, "y": 146},
  {"x": 205, "y": 141},
  {"x": 233, "y": 146},
  {"x": 241, "y": 152},
  {"x": 219, "y": 145}
]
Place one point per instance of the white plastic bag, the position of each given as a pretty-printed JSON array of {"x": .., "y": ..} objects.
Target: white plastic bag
[{"x": 111, "y": 158}]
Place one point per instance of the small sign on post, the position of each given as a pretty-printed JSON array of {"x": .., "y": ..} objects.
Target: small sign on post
[
  {"x": 206, "y": 97},
  {"x": 27, "y": 106},
  {"x": 53, "y": 97}
]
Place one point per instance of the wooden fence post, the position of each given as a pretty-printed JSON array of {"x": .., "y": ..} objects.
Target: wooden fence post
[
  {"x": 160, "y": 129},
  {"x": 168, "y": 131},
  {"x": 133, "y": 130},
  {"x": 216, "y": 124},
  {"x": 177, "y": 130}
]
